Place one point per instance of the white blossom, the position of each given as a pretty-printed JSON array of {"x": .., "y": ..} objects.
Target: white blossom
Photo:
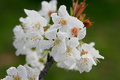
[
  {"x": 48, "y": 8},
  {"x": 32, "y": 73},
  {"x": 22, "y": 73},
  {"x": 19, "y": 43},
  {"x": 56, "y": 40},
  {"x": 34, "y": 60},
  {"x": 89, "y": 57},
  {"x": 16, "y": 74},
  {"x": 66, "y": 23},
  {"x": 35, "y": 38},
  {"x": 34, "y": 21},
  {"x": 32, "y": 39},
  {"x": 68, "y": 59}
]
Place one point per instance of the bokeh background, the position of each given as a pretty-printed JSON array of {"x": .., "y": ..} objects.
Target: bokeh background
[{"x": 105, "y": 32}]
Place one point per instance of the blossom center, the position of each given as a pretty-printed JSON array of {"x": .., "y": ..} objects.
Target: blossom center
[
  {"x": 37, "y": 25},
  {"x": 17, "y": 77},
  {"x": 86, "y": 61},
  {"x": 75, "y": 31},
  {"x": 57, "y": 41},
  {"x": 50, "y": 12},
  {"x": 31, "y": 79},
  {"x": 84, "y": 52},
  {"x": 42, "y": 60},
  {"x": 69, "y": 50},
  {"x": 34, "y": 38},
  {"x": 63, "y": 22}
]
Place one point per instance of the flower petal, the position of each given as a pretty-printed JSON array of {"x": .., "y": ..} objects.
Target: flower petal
[
  {"x": 62, "y": 11},
  {"x": 51, "y": 34},
  {"x": 22, "y": 71},
  {"x": 73, "y": 42},
  {"x": 45, "y": 44},
  {"x": 12, "y": 71}
]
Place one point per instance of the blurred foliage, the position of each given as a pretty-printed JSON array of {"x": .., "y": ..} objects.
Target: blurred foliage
[{"x": 105, "y": 32}]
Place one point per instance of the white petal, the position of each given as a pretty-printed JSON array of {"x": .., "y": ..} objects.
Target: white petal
[
  {"x": 70, "y": 61},
  {"x": 45, "y": 44},
  {"x": 22, "y": 71},
  {"x": 95, "y": 53},
  {"x": 73, "y": 42},
  {"x": 12, "y": 71},
  {"x": 31, "y": 57},
  {"x": 61, "y": 35},
  {"x": 37, "y": 64},
  {"x": 54, "y": 26},
  {"x": 61, "y": 48},
  {"x": 58, "y": 57},
  {"x": 86, "y": 47},
  {"x": 35, "y": 17},
  {"x": 76, "y": 53},
  {"x": 30, "y": 13},
  {"x": 92, "y": 44},
  {"x": 55, "y": 18},
  {"x": 74, "y": 22},
  {"x": 8, "y": 78},
  {"x": 82, "y": 33},
  {"x": 53, "y": 3},
  {"x": 45, "y": 6},
  {"x": 51, "y": 34},
  {"x": 30, "y": 71},
  {"x": 18, "y": 32},
  {"x": 62, "y": 11}
]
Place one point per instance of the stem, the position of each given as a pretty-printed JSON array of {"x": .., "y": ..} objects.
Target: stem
[{"x": 44, "y": 72}]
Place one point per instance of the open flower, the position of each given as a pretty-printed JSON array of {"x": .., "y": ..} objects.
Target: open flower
[
  {"x": 16, "y": 74},
  {"x": 66, "y": 23},
  {"x": 34, "y": 59},
  {"x": 19, "y": 40},
  {"x": 32, "y": 73},
  {"x": 56, "y": 41},
  {"x": 34, "y": 21},
  {"x": 68, "y": 59},
  {"x": 89, "y": 57},
  {"x": 48, "y": 8},
  {"x": 32, "y": 38}
]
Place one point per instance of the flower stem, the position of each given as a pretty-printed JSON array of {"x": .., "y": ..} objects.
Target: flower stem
[{"x": 44, "y": 72}]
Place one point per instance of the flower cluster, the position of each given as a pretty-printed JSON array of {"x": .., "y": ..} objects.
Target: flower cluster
[
  {"x": 63, "y": 39},
  {"x": 36, "y": 37},
  {"x": 22, "y": 73}
]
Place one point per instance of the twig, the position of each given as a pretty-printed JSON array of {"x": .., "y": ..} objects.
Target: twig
[{"x": 44, "y": 72}]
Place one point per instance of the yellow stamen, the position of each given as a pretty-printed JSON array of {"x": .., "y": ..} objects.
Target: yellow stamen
[{"x": 63, "y": 22}]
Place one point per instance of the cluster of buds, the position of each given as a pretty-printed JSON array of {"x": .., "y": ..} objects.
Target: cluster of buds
[
  {"x": 36, "y": 37},
  {"x": 77, "y": 12}
]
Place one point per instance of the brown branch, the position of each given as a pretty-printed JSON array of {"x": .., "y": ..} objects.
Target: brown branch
[{"x": 44, "y": 72}]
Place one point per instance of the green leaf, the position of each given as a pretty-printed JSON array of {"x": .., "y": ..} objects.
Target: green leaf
[{"x": 71, "y": 11}]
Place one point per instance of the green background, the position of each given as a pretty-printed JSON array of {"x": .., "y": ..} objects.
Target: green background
[{"x": 105, "y": 32}]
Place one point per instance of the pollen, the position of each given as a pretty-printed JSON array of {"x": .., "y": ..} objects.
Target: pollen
[
  {"x": 37, "y": 25},
  {"x": 63, "y": 22},
  {"x": 86, "y": 61},
  {"x": 57, "y": 41},
  {"x": 69, "y": 50},
  {"x": 17, "y": 77},
  {"x": 84, "y": 52},
  {"x": 75, "y": 31},
  {"x": 34, "y": 38},
  {"x": 42, "y": 60},
  {"x": 31, "y": 79},
  {"x": 50, "y": 12}
]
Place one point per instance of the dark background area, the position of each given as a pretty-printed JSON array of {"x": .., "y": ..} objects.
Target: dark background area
[{"x": 105, "y": 32}]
